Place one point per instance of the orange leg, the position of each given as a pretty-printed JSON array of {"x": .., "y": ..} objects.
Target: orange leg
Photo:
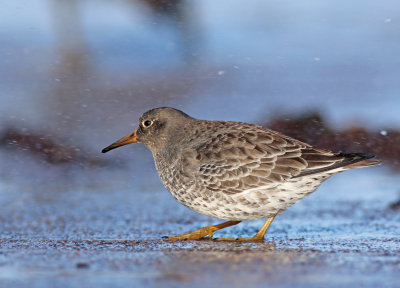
[
  {"x": 259, "y": 237},
  {"x": 202, "y": 232}
]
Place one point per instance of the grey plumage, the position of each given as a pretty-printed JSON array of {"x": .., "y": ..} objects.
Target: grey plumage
[{"x": 233, "y": 170}]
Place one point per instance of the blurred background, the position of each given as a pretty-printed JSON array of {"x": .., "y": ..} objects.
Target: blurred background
[{"x": 75, "y": 75}]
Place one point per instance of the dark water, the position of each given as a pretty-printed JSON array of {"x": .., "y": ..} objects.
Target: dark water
[{"x": 76, "y": 75}]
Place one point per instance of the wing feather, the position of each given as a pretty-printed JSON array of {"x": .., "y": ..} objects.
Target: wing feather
[
  {"x": 234, "y": 157},
  {"x": 233, "y": 161}
]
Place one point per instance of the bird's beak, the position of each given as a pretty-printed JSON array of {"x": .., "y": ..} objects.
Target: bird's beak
[{"x": 131, "y": 138}]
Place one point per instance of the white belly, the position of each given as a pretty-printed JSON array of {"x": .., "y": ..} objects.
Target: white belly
[{"x": 251, "y": 204}]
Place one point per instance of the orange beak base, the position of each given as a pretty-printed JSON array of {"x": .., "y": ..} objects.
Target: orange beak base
[{"x": 131, "y": 138}]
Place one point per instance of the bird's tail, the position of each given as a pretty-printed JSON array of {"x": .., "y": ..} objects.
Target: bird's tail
[
  {"x": 358, "y": 160},
  {"x": 321, "y": 161}
]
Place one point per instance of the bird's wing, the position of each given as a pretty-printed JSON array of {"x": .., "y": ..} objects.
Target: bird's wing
[{"x": 239, "y": 156}]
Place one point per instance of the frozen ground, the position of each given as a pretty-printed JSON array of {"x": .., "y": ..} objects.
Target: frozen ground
[{"x": 108, "y": 233}]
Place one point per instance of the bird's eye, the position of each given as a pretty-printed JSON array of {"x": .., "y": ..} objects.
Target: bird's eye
[{"x": 147, "y": 123}]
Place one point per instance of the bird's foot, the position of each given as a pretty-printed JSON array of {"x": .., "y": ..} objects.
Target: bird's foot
[
  {"x": 250, "y": 239},
  {"x": 202, "y": 232},
  {"x": 194, "y": 235}
]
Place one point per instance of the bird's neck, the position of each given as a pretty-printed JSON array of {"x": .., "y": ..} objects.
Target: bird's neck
[{"x": 175, "y": 145}]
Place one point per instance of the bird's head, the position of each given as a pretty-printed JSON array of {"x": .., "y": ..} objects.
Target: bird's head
[{"x": 157, "y": 128}]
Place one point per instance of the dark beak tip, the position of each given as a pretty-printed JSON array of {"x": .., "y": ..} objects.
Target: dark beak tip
[{"x": 105, "y": 150}]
